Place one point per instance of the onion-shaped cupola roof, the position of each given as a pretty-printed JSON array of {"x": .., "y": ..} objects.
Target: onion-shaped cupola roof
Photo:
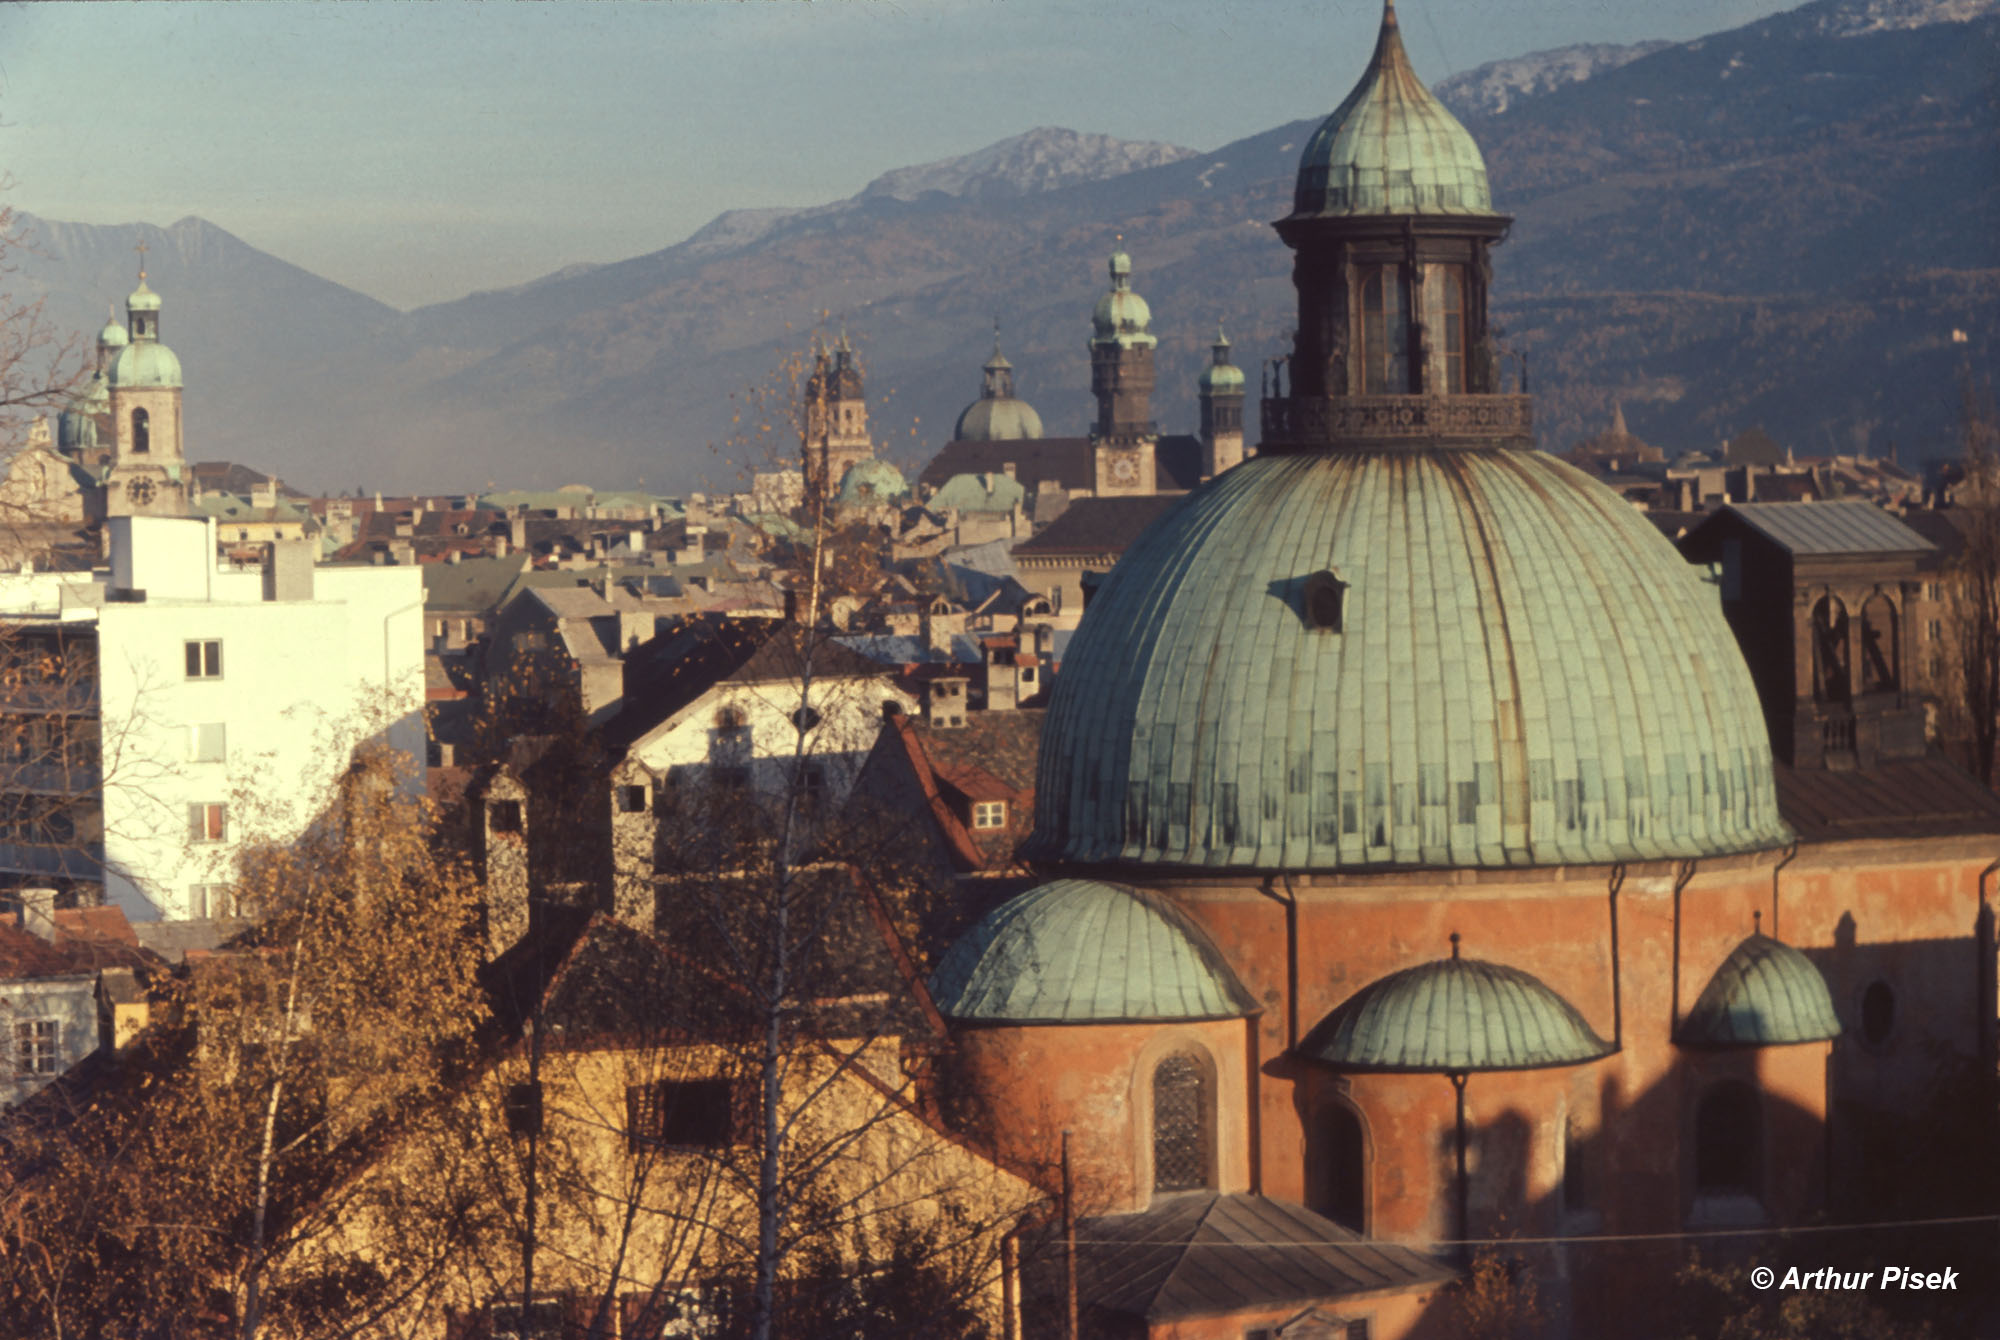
[
  {"x": 76, "y": 427},
  {"x": 142, "y": 298},
  {"x": 112, "y": 338},
  {"x": 145, "y": 363},
  {"x": 1077, "y": 951},
  {"x": 1355, "y": 660},
  {"x": 998, "y": 415},
  {"x": 1391, "y": 147},
  {"x": 1122, "y": 315},
  {"x": 1220, "y": 377},
  {"x": 1765, "y": 994},
  {"x": 870, "y": 482},
  {"x": 1453, "y": 1016}
]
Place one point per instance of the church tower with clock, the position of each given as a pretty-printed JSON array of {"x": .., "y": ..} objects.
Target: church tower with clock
[
  {"x": 146, "y": 474},
  {"x": 1121, "y": 377}
]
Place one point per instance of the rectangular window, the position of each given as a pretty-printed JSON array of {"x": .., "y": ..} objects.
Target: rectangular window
[
  {"x": 211, "y": 900},
  {"x": 1935, "y": 630},
  {"x": 1447, "y": 289},
  {"x": 204, "y": 659},
  {"x": 36, "y": 1046},
  {"x": 679, "y": 1114},
  {"x": 990, "y": 814},
  {"x": 1385, "y": 332},
  {"x": 208, "y": 743},
  {"x": 208, "y": 822}
]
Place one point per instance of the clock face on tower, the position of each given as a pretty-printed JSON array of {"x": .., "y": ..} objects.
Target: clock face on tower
[
  {"x": 1125, "y": 470},
  {"x": 140, "y": 491}
]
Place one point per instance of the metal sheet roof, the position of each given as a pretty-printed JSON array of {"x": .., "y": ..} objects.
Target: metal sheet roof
[
  {"x": 1832, "y": 528},
  {"x": 1454, "y": 1015},
  {"x": 1526, "y": 673},
  {"x": 1391, "y": 147},
  {"x": 1765, "y": 994},
  {"x": 1079, "y": 951},
  {"x": 1204, "y": 1255}
]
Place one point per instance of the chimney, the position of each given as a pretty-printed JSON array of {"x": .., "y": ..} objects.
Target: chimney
[
  {"x": 517, "y": 532},
  {"x": 38, "y": 913}
]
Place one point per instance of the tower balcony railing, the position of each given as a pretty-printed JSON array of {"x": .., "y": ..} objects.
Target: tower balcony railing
[{"x": 1397, "y": 422}]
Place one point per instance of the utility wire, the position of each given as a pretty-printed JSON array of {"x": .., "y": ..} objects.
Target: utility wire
[{"x": 1682, "y": 1235}]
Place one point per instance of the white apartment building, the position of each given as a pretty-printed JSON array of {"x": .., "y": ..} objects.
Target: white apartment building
[{"x": 194, "y": 700}]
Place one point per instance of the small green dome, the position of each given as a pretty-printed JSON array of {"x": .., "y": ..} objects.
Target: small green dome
[
  {"x": 1765, "y": 994},
  {"x": 997, "y": 419},
  {"x": 1451, "y": 1016},
  {"x": 978, "y": 493},
  {"x": 145, "y": 363},
  {"x": 142, "y": 298},
  {"x": 1511, "y": 667},
  {"x": 113, "y": 336},
  {"x": 1077, "y": 951},
  {"x": 1121, "y": 315},
  {"x": 1391, "y": 148},
  {"x": 1220, "y": 377},
  {"x": 871, "y": 482}
]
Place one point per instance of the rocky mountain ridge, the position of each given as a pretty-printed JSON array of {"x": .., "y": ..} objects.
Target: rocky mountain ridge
[{"x": 1791, "y": 223}]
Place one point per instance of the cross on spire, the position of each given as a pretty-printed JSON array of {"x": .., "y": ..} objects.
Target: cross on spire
[{"x": 142, "y": 249}]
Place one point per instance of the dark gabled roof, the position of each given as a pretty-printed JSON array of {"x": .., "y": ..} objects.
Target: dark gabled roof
[
  {"x": 1096, "y": 526},
  {"x": 1928, "y": 797},
  {"x": 1208, "y": 1255},
  {"x": 697, "y": 653},
  {"x": 1068, "y": 461},
  {"x": 475, "y": 584},
  {"x": 1821, "y": 529},
  {"x": 1946, "y": 528},
  {"x": 1754, "y": 447}
]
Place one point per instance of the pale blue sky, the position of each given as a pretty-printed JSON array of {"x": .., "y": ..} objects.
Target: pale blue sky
[{"x": 420, "y": 151}]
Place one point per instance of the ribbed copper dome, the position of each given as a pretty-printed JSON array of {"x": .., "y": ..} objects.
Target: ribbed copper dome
[
  {"x": 1520, "y": 671},
  {"x": 1454, "y": 1015}
]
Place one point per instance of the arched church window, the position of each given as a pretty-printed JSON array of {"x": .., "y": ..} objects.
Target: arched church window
[
  {"x": 1341, "y": 1193},
  {"x": 1878, "y": 645},
  {"x": 142, "y": 431},
  {"x": 1831, "y": 682},
  {"x": 1385, "y": 332},
  {"x": 1727, "y": 1140},
  {"x": 1181, "y": 1152}
]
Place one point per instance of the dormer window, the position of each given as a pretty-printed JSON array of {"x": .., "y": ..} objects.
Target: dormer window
[
  {"x": 1323, "y": 602},
  {"x": 989, "y": 814}
]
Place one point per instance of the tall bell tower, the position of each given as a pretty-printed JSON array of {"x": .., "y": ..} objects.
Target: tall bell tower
[
  {"x": 1121, "y": 377},
  {"x": 147, "y": 466}
]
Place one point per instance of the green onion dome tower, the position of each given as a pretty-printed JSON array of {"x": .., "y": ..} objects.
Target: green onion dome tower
[{"x": 1399, "y": 636}]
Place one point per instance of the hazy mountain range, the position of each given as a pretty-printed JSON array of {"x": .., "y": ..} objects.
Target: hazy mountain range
[{"x": 1795, "y": 223}]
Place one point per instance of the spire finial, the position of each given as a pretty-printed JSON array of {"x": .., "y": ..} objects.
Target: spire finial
[
  {"x": 142, "y": 249},
  {"x": 1756, "y": 921},
  {"x": 1454, "y": 934}
]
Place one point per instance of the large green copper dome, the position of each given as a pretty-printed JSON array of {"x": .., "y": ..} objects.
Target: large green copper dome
[
  {"x": 1391, "y": 147},
  {"x": 1524, "y": 672}
]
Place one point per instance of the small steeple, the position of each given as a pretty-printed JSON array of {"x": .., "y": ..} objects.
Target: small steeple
[
  {"x": 1618, "y": 428},
  {"x": 999, "y": 383}
]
